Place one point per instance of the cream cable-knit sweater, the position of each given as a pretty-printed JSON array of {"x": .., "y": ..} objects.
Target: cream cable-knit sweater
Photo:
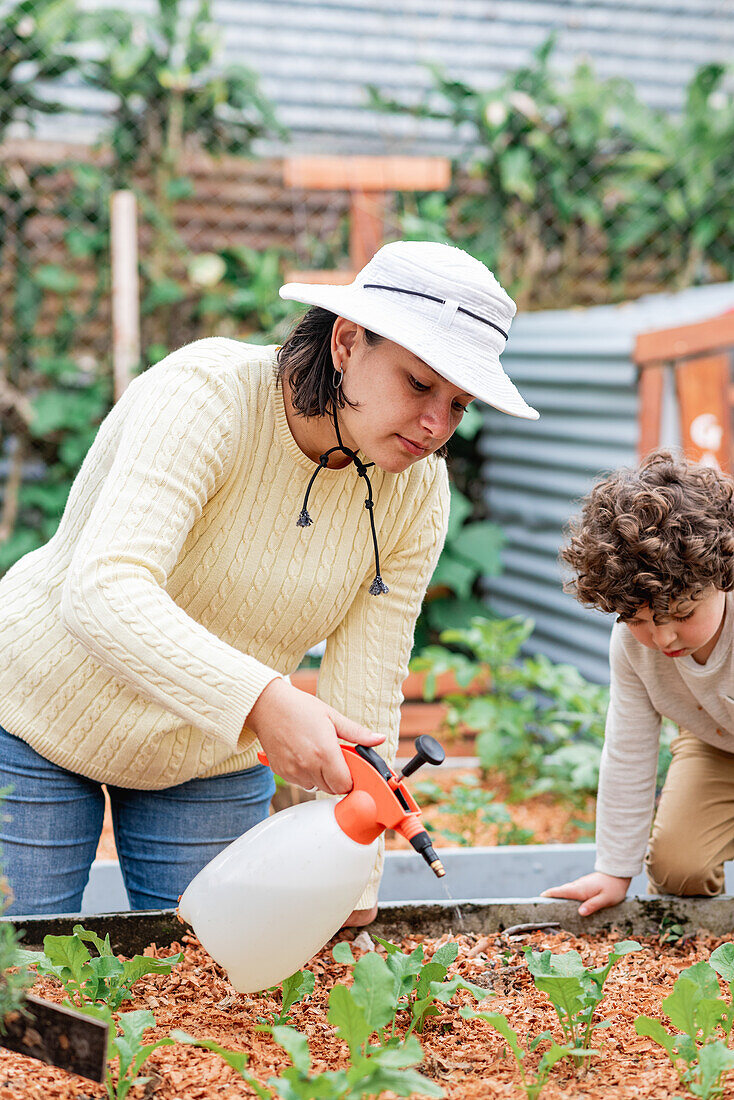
[{"x": 134, "y": 644}]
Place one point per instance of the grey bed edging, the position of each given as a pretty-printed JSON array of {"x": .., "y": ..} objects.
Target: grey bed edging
[{"x": 131, "y": 932}]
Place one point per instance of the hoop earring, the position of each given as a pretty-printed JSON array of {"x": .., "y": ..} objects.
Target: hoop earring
[{"x": 337, "y": 377}]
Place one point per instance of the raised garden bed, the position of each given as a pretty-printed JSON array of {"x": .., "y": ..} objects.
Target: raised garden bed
[
  {"x": 467, "y": 1058},
  {"x": 483, "y": 871},
  {"x": 545, "y": 818}
]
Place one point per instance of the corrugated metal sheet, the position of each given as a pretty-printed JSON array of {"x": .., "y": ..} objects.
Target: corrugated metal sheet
[
  {"x": 315, "y": 57},
  {"x": 575, "y": 367}
]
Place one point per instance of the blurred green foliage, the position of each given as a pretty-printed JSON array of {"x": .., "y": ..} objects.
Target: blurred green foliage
[
  {"x": 169, "y": 97},
  {"x": 538, "y": 723},
  {"x": 557, "y": 167}
]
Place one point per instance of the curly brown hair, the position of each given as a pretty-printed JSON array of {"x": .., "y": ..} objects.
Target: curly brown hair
[{"x": 652, "y": 536}]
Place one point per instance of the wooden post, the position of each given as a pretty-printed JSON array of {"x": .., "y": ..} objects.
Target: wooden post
[
  {"x": 368, "y": 181},
  {"x": 125, "y": 292},
  {"x": 700, "y": 356},
  {"x": 703, "y": 396},
  {"x": 650, "y": 409}
]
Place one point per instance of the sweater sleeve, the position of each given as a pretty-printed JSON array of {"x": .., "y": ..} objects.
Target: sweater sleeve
[
  {"x": 628, "y": 769},
  {"x": 179, "y": 433},
  {"x": 366, "y": 659}
]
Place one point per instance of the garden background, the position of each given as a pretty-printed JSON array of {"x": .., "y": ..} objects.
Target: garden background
[{"x": 592, "y": 163}]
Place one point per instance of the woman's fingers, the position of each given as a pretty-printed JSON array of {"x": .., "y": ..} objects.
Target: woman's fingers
[
  {"x": 352, "y": 731},
  {"x": 335, "y": 775},
  {"x": 299, "y": 734}
]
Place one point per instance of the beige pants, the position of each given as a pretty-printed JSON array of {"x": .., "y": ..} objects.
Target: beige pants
[{"x": 693, "y": 831}]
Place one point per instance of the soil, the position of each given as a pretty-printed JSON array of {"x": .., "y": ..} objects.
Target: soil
[
  {"x": 549, "y": 819},
  {"x": 465, "y": 1057}
]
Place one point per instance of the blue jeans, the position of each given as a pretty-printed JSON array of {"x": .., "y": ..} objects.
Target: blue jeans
[{"x": 51, "y": 820}]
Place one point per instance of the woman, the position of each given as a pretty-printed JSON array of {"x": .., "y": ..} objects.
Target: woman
[{"x": 213, "y": 535}]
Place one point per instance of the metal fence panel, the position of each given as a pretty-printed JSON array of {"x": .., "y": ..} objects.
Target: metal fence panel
[
  {"x": 535, "y": 472},
  {"x": 314, "y": 57}
]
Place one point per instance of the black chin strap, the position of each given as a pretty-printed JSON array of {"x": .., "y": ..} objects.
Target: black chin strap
[{"x": 378, "y": 586}]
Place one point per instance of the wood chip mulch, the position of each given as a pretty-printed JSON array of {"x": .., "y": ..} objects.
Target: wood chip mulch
[{"x": 466, "y": 1057}]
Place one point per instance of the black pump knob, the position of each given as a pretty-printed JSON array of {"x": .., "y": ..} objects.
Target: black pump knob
[{"x": 427, "y": 751}]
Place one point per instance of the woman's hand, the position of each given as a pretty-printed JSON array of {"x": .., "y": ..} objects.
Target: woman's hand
[
  {"x": 596, "y": 891},
  {"x": 299, "y": 735}
]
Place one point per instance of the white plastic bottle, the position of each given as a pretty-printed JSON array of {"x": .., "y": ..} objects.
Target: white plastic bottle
[{"x": 270, "y": 901}]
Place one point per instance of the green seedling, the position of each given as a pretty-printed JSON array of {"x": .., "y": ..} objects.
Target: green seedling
[
  {"x": 372, "y": 1069},
  {"x": 574, "y": 990},
  {"x": 93, "y": 979},
  {"x": 427, "y": 792},
  {"x": 534, "y": 1084},
  {"x": 669, "y": 930},
  {"x": 699, "y": 1050},
  {"x": 131, "y": 1051},
  {"x": 406, "y": 982},
  {"x": 237, "y": 1059},
  {"x": 299, "y": 985},
  {"x": 127, "y": 1046},
  {"x": 474, "y": 808}
]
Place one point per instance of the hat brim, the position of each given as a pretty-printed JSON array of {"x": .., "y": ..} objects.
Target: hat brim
[{"x": 452, "y": 357}]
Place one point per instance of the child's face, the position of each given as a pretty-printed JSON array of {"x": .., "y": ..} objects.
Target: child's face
[{"x": 692, "y": 629}]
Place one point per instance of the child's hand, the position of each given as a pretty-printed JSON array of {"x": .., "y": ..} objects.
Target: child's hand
[{"x": 596, "y": 891}]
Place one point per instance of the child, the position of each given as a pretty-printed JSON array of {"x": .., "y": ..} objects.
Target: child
[{"x": 655, "y": 545}]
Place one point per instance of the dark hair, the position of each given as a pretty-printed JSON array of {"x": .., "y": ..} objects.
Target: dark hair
[
  {"x": 305, "y": 361},
  {"x": 651, "y": 535}
]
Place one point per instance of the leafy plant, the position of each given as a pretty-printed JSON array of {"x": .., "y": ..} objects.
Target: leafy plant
[
  {"x": 372, "y": 1069},
  {"x": 170, "y": 97},
  {"x": 538, "y": 161},
  {"x": 94, "y": 979},
  {"x": 237, "y": 1059},
  {"x": 131, "y": 1051},
  {"x": 242, "y": 294},
  {"x": 404, "y": 982},
  {"x": 533, "y": 1085},
  {"x": 699, "y": 1049},
  {"x": 471, "y": 551},
  {"x": 474, "y": 807},
  {"x": 14, "y": 977},
  {"x": 294, "y": 989},
  {"x": 539, "y": 723},
  {"x": 35, "y": 47},
  {"x": 574, "y": 990},
  {"x": 674, "y": 187}
]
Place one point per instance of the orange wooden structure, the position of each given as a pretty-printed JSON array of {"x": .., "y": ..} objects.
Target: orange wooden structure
[
  {"x": 701, "y": 357},
  {"x": 368, "y": 181}
]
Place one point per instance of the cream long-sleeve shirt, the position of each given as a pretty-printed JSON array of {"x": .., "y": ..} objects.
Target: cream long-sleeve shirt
[
  {"x": 645, "y": 687},
  {"x": 134, "y": 644}
]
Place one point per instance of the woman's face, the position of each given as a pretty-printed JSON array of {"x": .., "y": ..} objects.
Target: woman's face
[{"x": 404, "y": 411}]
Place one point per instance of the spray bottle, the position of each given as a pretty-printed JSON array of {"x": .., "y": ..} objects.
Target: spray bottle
[{"x": 270, "y": 900}]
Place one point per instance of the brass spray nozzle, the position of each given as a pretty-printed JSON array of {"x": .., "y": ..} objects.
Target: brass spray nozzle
[{"x": 438, "y": 868}]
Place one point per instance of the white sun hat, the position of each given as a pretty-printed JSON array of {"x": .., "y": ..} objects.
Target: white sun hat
[{"x": 438, "y": 302}]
